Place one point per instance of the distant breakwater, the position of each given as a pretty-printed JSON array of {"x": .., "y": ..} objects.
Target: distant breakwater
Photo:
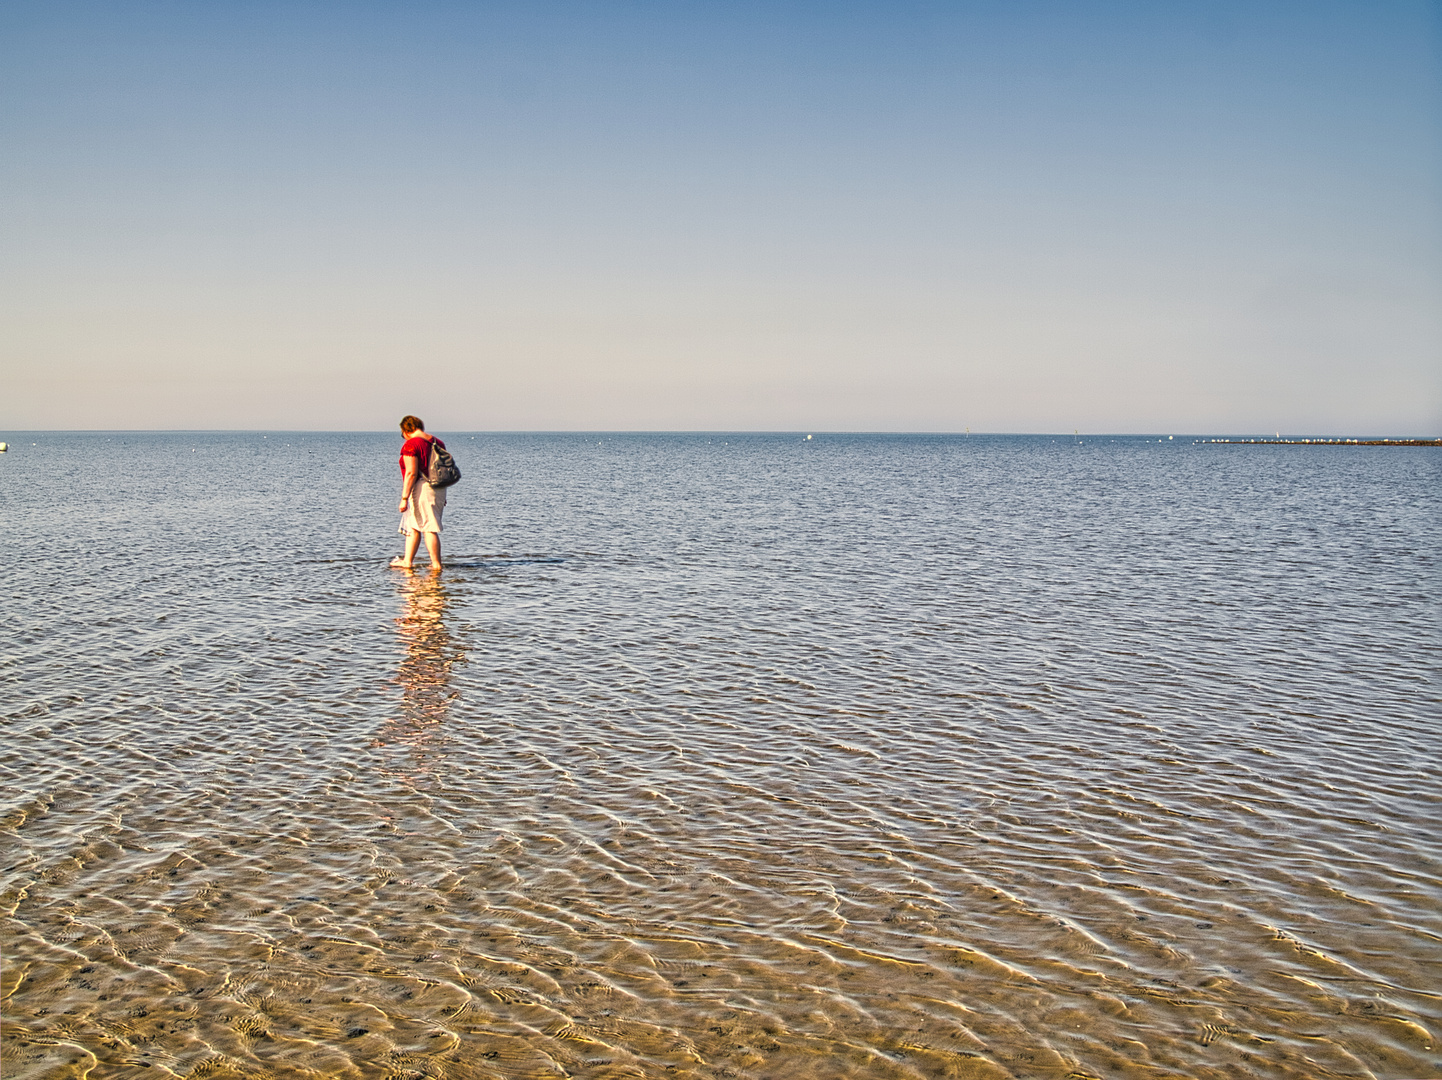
[{"x": 1329, "y": 442}]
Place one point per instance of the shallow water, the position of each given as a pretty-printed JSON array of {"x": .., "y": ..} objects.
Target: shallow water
[{"x": 722, "y": 756}]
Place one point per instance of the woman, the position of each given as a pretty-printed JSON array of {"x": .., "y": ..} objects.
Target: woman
[{"x": 421, "y": 504}]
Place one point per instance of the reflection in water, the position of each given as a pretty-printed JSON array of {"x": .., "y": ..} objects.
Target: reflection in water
[{"x": 424, "y": 674}]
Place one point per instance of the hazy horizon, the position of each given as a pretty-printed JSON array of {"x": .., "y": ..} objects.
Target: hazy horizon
[
  {"x": 806, "y": 433},
  {"x": 915, "y": 216}
]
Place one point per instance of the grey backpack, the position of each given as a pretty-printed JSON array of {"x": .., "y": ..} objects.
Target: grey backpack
[{"x": 441, "y": 468}]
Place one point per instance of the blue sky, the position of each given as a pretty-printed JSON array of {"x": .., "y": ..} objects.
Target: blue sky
[{"x": 862, "y": 216}]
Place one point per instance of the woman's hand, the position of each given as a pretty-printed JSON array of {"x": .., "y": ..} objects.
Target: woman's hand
[{"x": 403, "y": 505}]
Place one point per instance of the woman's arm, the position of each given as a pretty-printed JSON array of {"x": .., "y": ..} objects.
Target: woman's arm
[{"x": 408, "y": 481}]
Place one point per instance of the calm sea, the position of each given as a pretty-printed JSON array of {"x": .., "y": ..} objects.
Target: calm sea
[{"x": 722, "y": 756}]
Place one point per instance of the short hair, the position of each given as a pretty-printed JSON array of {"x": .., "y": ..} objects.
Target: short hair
[{"x": 412, "y": 423}]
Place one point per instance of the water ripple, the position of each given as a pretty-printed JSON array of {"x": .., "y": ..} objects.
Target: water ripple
[{"x": 723, "y": 756}]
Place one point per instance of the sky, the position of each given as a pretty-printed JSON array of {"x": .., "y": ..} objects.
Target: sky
[{"x": 688, "y": 215}]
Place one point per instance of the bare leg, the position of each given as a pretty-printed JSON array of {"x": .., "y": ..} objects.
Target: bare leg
[
  {"x": 433, "y": 549},
  {"x": 413, "y": 541}
]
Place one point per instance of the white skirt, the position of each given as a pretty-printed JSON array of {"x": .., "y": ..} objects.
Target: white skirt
[{"x": 423, "y": 511}]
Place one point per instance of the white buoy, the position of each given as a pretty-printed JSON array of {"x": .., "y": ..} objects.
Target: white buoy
[{"x": 4, "y": 447}]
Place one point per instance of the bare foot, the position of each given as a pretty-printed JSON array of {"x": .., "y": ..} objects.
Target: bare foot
[{"x": 400, "y": 564}]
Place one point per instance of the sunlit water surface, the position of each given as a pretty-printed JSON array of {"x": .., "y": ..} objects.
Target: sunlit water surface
[{"x": 722, "y": 756}]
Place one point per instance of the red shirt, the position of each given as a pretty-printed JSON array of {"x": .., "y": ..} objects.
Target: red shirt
[{"x": 418, "y": 447}]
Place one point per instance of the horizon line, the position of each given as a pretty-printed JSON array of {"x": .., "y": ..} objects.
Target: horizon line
[{"x": 1076, "y": 433}]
